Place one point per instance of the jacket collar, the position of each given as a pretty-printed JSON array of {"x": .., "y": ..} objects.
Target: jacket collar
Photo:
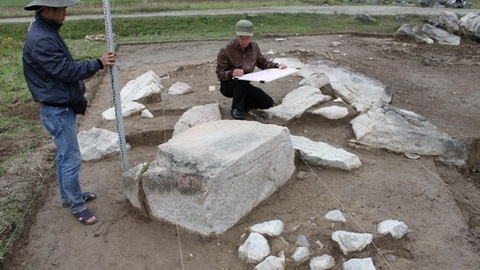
[{"x": 49, "y": 23}]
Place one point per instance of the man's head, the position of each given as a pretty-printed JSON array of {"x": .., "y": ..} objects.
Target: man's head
[
  {"x": 39, "y": 4},
  {"x": 244, "y": 28},
  {"x": 244, "y": 32}
]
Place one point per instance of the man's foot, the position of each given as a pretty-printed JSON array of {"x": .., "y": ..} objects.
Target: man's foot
[
  {"x": 86, "y": 217},
  {"x": 236, "y": 114}
]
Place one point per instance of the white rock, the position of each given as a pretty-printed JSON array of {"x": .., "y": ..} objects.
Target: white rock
[
  {"x": 322, "y": 262},
  {"x": 296, "y": 102},
  {"x": 212, "y": 88},
  {"x": 147, "y": 114},
  {"x": 316, "y": 80},
  {"x": 270, "y": 228},
  {"x": 145, "y": 85},
  {"x": 301, "y": 254},
  {"x": 97, "y": 143},
  {"x": 332, "y": 112},
  {"x": 350, "y": 242},
  {"x": 197, "y": 115},
  {"x": 128, "y": 108},
  {"x": 359, "y": 264},
  {"x": 254, "y": 249},
  {"x": 272, "y": 262},
  {"x": 179, "y": 88},
  {"x": 335, "y": 215},
  {"x": 319, "y": 153},
  {"x": 396, "y": 228}
]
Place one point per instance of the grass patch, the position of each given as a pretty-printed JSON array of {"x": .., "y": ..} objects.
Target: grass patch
[{"x": 12, "y": 8}]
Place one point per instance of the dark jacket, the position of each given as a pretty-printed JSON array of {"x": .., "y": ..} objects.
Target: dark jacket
[
  {"x": 232, "y": 56},
  {"x": 51, "y": 73}
]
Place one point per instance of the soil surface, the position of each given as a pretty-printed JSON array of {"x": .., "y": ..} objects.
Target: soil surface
[{"x": 440, "y": 203}]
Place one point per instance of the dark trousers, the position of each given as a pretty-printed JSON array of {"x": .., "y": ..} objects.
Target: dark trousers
[{"x": 245, "y": 96}]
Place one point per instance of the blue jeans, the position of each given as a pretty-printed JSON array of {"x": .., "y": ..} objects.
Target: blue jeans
[{"x": 61, "y": 123}]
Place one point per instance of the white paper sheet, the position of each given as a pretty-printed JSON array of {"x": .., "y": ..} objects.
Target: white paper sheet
[{"x": 267, "y": 75}]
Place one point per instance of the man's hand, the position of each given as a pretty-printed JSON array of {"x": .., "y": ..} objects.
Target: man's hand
[
  {"x": 282, "y": 66},
  {"x": 108, "y": 59},
  {"x": 237, "y": 73}
]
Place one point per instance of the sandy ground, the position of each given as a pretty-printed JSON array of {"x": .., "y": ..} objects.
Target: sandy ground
[{"x": 439, "y": 203}]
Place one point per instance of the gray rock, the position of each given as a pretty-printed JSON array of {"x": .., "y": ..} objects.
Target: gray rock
[
  {"x": 404, "y": 131},
  {"x": 469, "y": 25},
  {"x": 440, "y": 36}
]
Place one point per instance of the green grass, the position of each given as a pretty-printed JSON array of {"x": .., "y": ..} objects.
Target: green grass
[{"x": 11, "y": 8}]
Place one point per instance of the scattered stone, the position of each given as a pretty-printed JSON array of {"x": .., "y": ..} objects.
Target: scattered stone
[
  {"x": 254, "y": 249},
  {"x": 322, "y": 262},
  {"x": 179, "y": 88},
  {"x": 270, "y": 228},
  {"x": 357, "y": 264},
  {"x": 272, "y": 262},
  {"x": 301, "y": 255},
  {"x": 394, "y": 227},
  {"x": 335, "y": 215},
  {"x": 351, "y": 242}
]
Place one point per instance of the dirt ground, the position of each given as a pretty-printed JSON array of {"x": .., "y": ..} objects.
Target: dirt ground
[{"x": 440, "y": 203}]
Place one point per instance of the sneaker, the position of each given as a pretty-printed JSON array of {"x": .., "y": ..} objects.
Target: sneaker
[{"x": 236, "y": 114}]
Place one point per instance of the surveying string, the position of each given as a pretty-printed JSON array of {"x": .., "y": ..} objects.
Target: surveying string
[{"x": 115, "y": 87}]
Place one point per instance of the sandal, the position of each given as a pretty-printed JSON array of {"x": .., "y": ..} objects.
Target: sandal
[
  {"x": 87, "y": 197},
  {"x": 84, "y": 216}
]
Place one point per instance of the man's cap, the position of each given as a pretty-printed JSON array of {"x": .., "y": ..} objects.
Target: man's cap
[
  {"x": 37, "y": 4},
  {"x": 244, "y": 28}
]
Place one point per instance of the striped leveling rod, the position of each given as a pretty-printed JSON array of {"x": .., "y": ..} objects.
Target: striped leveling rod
[{"x": 115, "y": 87}]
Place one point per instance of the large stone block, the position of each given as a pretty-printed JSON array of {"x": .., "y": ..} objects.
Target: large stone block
[{"x": 208, "y": 177}]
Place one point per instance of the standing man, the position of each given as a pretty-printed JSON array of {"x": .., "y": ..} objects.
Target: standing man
[
  {"x": 238, "y": 57},
  {"x": 55, "y": 80}
]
